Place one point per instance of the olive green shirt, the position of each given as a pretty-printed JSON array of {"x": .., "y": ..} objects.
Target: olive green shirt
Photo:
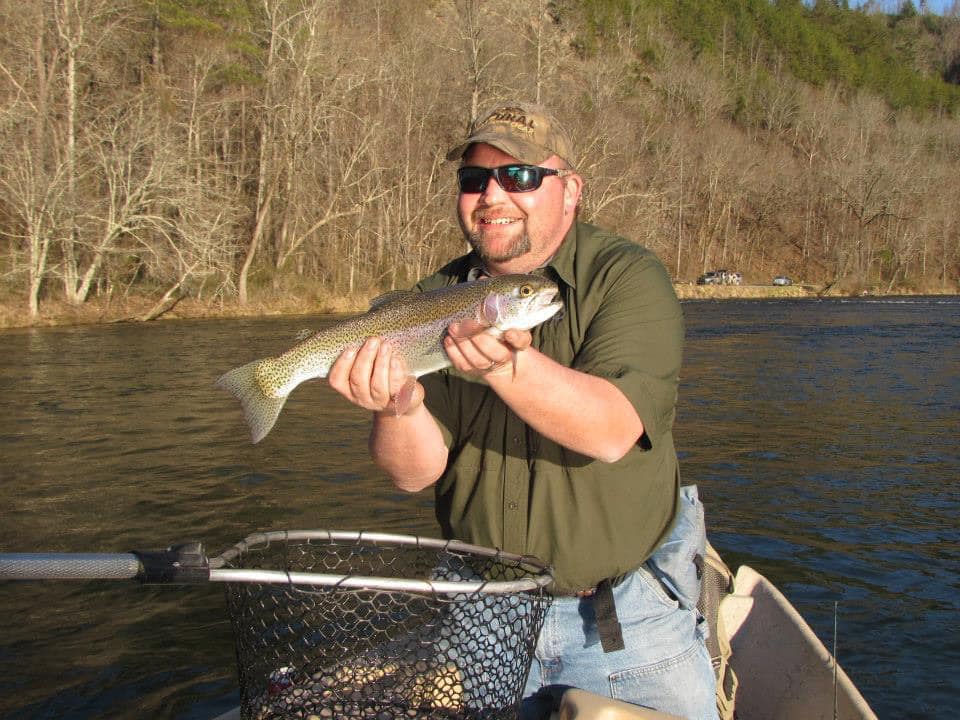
[{"x": 507, "y": 486}]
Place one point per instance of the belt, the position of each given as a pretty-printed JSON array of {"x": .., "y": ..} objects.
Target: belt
[
  {"x": 591, "y": 590},
  {"x": 605, "y": 609}
]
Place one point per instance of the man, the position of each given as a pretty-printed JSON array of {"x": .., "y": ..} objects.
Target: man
[{"x": 557, "y": 442}]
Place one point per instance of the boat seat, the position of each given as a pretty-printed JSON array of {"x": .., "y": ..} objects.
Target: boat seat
[{"x": 582, "y": 705}]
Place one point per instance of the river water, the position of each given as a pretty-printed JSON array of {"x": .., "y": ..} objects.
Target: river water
[{"x": 822, "y": 435}]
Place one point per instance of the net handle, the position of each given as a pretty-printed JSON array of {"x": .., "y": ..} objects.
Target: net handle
[
  {"x": 69, "y": 566},
  {"x": 178, "y": 564},
  {"x": 187, "y": 564}
]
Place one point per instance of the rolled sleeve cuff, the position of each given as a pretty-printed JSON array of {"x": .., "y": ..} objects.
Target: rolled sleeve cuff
[{"x": 642, "y": 392}]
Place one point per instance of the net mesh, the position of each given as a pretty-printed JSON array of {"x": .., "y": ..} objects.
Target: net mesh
[{"x": 330, "y": 651}]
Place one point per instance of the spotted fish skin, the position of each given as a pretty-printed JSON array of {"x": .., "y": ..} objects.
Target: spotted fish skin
[{"x": 413, "y": 323}]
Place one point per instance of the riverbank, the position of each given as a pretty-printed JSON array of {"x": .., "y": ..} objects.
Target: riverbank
[{"x": 139, "y": 309}]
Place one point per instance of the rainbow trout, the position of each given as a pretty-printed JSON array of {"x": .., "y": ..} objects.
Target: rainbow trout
[{"x": 414, "y": 323}]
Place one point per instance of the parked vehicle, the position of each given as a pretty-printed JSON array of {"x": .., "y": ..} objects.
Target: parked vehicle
[
  {"x": 782, "y": 280},
  {"x": 720, "y": 277}
]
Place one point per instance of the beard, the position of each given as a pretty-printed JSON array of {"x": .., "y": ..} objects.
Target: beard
[{"x": 516, "y": 248}]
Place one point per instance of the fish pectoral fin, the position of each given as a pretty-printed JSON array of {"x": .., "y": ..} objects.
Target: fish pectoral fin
[
  {"x": 471, "y": 327},
  {"x": 401, "y": 401}
]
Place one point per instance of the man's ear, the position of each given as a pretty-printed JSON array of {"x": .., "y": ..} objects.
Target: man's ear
[{"x": 572, "y": 190}]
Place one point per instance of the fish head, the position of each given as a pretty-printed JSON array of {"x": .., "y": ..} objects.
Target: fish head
[{"x": 519, "y": 302}]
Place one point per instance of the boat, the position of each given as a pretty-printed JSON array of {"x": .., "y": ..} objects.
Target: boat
[{"x": 784, "y": 672}]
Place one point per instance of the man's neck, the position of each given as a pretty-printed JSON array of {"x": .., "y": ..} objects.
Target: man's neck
[{"x": 527, "y": 263}]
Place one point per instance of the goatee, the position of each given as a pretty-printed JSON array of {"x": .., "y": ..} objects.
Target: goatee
[{"x": 520, "y": 246}]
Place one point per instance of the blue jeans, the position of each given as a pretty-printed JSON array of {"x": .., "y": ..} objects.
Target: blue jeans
[{"x": 664, "y": 664}]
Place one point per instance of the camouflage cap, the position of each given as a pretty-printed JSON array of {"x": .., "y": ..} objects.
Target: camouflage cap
[{"x": 525, "y": 131}]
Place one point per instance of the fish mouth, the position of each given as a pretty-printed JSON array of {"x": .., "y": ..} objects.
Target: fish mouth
[
  {"x": 555, "y": 310},
  {"x": 546, "y": 305}
]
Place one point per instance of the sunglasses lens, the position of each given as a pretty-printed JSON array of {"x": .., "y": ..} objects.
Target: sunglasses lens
[
  {"x": 520, "y": 178},
  {"x": 473, "y": 179},
  {"x": 512, "y": 178}
]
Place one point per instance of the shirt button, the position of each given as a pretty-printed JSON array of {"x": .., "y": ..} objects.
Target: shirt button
[
  {"x": 516, "y": 439},
  {"x": 512, "y": 505}
]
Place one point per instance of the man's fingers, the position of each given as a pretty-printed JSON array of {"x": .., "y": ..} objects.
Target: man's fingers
[
  {"x": 518, "y": 339},
  {"x": 339, "y": 375},
  {"x": 362, "y": 369},
  {"x": 380, "y": 376},
  {"x": 476, "y": 354},
  {"x": 373, "y": 376},
  {"x": 398, "y": 373}
]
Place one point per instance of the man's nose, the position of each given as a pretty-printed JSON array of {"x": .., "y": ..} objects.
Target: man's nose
[{"x": 493, "y": 192}]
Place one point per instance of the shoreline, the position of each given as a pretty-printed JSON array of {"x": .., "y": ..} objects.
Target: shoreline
[{"x": 99, "y": 310}]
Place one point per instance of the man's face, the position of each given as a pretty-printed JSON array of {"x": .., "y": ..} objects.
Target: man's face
[{"x": 516, "y": 232}]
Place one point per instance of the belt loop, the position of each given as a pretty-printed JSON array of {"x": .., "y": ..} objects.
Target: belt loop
[{"x": 608, "y": 625}]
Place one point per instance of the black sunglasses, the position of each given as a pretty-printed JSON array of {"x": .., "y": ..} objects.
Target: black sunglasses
[{"x": 512, "y": 178}]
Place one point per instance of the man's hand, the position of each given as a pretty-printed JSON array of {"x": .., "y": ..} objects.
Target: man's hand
[
  {"x": 473, "y": 351},
  {"x": 375, "y": 378},
  {"x": 581, "y": 412},
  {"x": 405, "y": 440}
]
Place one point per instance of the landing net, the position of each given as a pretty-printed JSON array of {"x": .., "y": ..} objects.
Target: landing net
[{"x": 370, "y": 625}]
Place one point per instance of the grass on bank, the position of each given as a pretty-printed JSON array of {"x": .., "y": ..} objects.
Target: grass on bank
[{"x": 104, "y": 309}]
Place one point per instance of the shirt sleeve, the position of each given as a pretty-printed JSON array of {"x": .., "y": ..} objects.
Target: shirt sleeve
[
  {"x": 634, "y": 338},
  {"x": 437, "y": 398}
]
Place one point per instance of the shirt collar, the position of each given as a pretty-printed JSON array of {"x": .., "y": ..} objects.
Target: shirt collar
[
  {"x": 562, "y": 263},
  {"x": 475, "y": 271}
]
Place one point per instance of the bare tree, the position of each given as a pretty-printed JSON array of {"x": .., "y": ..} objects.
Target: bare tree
[
  {"x": 33, "y": 196},
  {"x": 81, "y": 27}
]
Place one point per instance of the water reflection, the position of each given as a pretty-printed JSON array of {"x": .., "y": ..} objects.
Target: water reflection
[{"x": 821, "y": 434}]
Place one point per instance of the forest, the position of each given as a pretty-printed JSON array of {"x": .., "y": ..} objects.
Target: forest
[{"x": 239, "y": 153}]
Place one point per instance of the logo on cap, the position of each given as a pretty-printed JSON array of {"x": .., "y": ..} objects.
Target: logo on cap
[{"x": 512, "y": 116}]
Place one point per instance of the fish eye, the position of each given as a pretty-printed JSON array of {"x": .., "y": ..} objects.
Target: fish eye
[{"x": 525, "y": 291}]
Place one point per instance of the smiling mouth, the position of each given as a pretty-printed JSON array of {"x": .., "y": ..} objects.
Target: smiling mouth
[{"x": 498, "y": 221}]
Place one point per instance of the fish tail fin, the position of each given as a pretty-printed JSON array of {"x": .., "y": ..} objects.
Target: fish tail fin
[{"x": 260, "y": 411}]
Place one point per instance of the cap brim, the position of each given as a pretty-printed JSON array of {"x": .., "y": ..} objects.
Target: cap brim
[{"x": 529, "y": 153}]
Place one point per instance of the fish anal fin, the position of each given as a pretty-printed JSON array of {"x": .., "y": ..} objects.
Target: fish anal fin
[{"x": 404, "y": 396}]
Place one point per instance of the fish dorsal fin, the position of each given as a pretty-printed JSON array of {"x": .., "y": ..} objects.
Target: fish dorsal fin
[{"x": 391, "y": 297}]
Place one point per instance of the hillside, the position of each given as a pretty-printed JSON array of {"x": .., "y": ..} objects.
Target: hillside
[{"x": 233, "y": 152}]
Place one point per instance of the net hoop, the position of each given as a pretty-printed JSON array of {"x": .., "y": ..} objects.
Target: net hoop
[{"x": 539, "y": 573}]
